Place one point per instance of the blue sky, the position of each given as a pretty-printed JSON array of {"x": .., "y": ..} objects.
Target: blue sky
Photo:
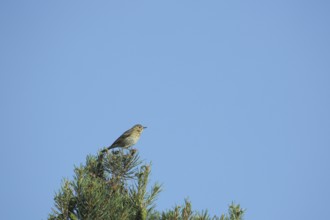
[{"x": 235, "y": 95}]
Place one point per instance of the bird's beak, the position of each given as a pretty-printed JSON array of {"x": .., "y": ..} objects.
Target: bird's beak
[{"x": 144, "y": 127}]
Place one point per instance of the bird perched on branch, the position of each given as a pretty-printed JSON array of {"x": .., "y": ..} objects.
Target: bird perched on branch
[{"x": 128, "y": 138}]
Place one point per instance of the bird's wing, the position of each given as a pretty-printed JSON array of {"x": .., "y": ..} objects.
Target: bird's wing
[{"x": 120, "y": 139}]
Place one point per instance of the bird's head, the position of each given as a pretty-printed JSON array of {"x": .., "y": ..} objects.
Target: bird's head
[{"x": 138, "y": 128}]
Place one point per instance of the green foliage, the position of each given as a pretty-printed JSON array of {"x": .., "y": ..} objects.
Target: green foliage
[
  {"x": 114, "y": 185},
  {"x": 185, "y": 213}
]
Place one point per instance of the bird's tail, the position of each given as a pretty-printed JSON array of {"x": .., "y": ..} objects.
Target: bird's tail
[{"x": 108, "y": 148}]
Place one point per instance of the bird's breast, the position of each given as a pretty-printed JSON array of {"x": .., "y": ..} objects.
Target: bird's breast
[{"x": 131, "y": 140}]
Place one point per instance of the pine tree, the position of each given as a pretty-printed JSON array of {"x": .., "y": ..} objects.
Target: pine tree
[{"x": 113, "y": 186}]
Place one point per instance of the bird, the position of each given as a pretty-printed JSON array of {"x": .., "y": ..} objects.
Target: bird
[{"x": 128, "y": 138}]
